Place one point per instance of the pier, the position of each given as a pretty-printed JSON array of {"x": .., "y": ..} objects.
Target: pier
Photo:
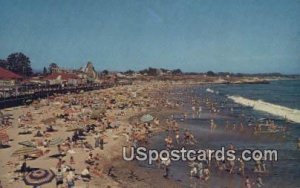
[{"x": 20, "y": 95}]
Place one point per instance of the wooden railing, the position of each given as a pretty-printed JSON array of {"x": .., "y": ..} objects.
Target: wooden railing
[{"x": 20, "y": 95}]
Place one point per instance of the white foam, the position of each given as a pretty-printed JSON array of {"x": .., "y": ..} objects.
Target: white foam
[
  {"x": 210, "y": 90},
  {"x": 288, "y": 113}
]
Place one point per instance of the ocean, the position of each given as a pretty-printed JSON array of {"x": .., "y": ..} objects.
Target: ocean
[{"x": 272, "y": 101}]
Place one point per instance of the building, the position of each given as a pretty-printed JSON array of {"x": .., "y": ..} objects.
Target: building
[
  {"x": 89, "y": 72},
  {"x": 8, "y": 78},
  {"x": 64, "y": 79}
]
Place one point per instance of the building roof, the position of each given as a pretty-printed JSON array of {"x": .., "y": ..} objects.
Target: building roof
[
  {"x": 63, "y": 76},
  {"x": 8, "y": 75}
]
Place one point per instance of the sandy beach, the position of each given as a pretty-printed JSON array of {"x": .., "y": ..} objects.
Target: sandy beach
[
  {"x": 116, "y": 115},
  {"x": 109, "y": 157}
]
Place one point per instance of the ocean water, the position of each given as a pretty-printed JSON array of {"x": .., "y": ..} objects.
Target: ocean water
[
  {"x": 281, "y": 92},
  {"x": 285, "y": 93}
]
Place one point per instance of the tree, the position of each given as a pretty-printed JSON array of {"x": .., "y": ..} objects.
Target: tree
[
  {"x": 45, "y": 71},
  {"x": 3, "y": 63},
  {"x": 210, "y": 73},
  {"x": 105, "y": 72},
  {"x": 176, "y": 72},
  {"x": 52, "y": 67},
  {"x": 129, "y": 72},
  {"x": 19, "y": 63}
]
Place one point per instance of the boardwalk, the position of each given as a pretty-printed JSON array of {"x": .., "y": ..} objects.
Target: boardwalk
[{"x": 19, "y": 95}]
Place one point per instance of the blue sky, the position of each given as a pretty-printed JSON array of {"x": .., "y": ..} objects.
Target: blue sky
[{"x": 193, "y": 35}]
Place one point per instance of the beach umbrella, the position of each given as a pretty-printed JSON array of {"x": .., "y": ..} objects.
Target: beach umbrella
[
  {"x": 147, "y": 118},
  {"x": 74, "y": 127},
  {"x": 56, "y": 141},
  {"x": 4, "y": 138},
  {"x": 27, "y": 144},
  {"x": 26, "y": 151},
  {"x": 39, "y": 177}
]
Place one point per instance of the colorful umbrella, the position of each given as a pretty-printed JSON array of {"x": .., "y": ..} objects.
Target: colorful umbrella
[
  {"x": 27, "y": 144},
  {"x": 74, "y": 127},
  {"x": 55, "y": 141},
  {"x": 146, "y": 118},
  {"x": 39, "y": 177},
  {"x": 26, "y": 151}
]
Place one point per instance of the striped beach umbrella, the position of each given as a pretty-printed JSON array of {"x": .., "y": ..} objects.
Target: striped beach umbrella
[
  {"x": 55, "y": 141},
  {"x": 39, "y": 177},
  {"x": 74, "y": 127},
  {"x": 27, "y": 144},
  {"x": 4, "y": 138},
  {"x": 26, "y": 151},
  {"x": 147, "y": 118}
]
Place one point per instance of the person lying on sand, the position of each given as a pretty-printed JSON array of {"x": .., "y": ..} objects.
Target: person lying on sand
[
  {"x": 88, "y": 146},
  {"x": 50, "y": 129}
]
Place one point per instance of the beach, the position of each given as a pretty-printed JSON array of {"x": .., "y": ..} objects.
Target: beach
[
  {"x": 116, "y": 112},
  {"x": 114, "y": 138}
]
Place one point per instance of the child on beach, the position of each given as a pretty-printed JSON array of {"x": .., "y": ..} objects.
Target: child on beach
[
  {"x": 59, "y": 178},
  {"x": 70, "y": 179},
  {"x": 72, "y": 161}
]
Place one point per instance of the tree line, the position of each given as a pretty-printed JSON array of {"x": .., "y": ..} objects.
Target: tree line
[{"x": 18, "y": 63}]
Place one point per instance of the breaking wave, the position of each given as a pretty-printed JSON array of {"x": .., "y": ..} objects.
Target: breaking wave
[
  {"x": 209, "y": 90},
  {"x": 284, "y": 112}
]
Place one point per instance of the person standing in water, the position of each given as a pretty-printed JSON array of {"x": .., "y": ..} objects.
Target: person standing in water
[
  {"x": 177, "y": 137},
  {"x": 247, "y": 182},
  {"x": 242, "y": 167},
  {"x": 259, "y": 182},
  {"x": 212, "y": 125},
  {"x": 199, "y": 111},
  {"x": 166, "y": 163}
]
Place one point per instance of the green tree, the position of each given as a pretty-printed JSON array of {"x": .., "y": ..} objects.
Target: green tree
[
  {"x": 210, "y": 73},
  {"x": 3, "y": 63},
  {"x": 105, "y": 72},
  {"x": 129, "y": 72},
  {"x": 45, "y": 71},
  {"x": 52, "y": 66},
  {"x": 176, "y": 72},
  {"x": 19, "y": 63}
]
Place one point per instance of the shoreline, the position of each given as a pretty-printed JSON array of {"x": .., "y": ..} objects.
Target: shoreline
[{"x": 124, "y": 174}]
